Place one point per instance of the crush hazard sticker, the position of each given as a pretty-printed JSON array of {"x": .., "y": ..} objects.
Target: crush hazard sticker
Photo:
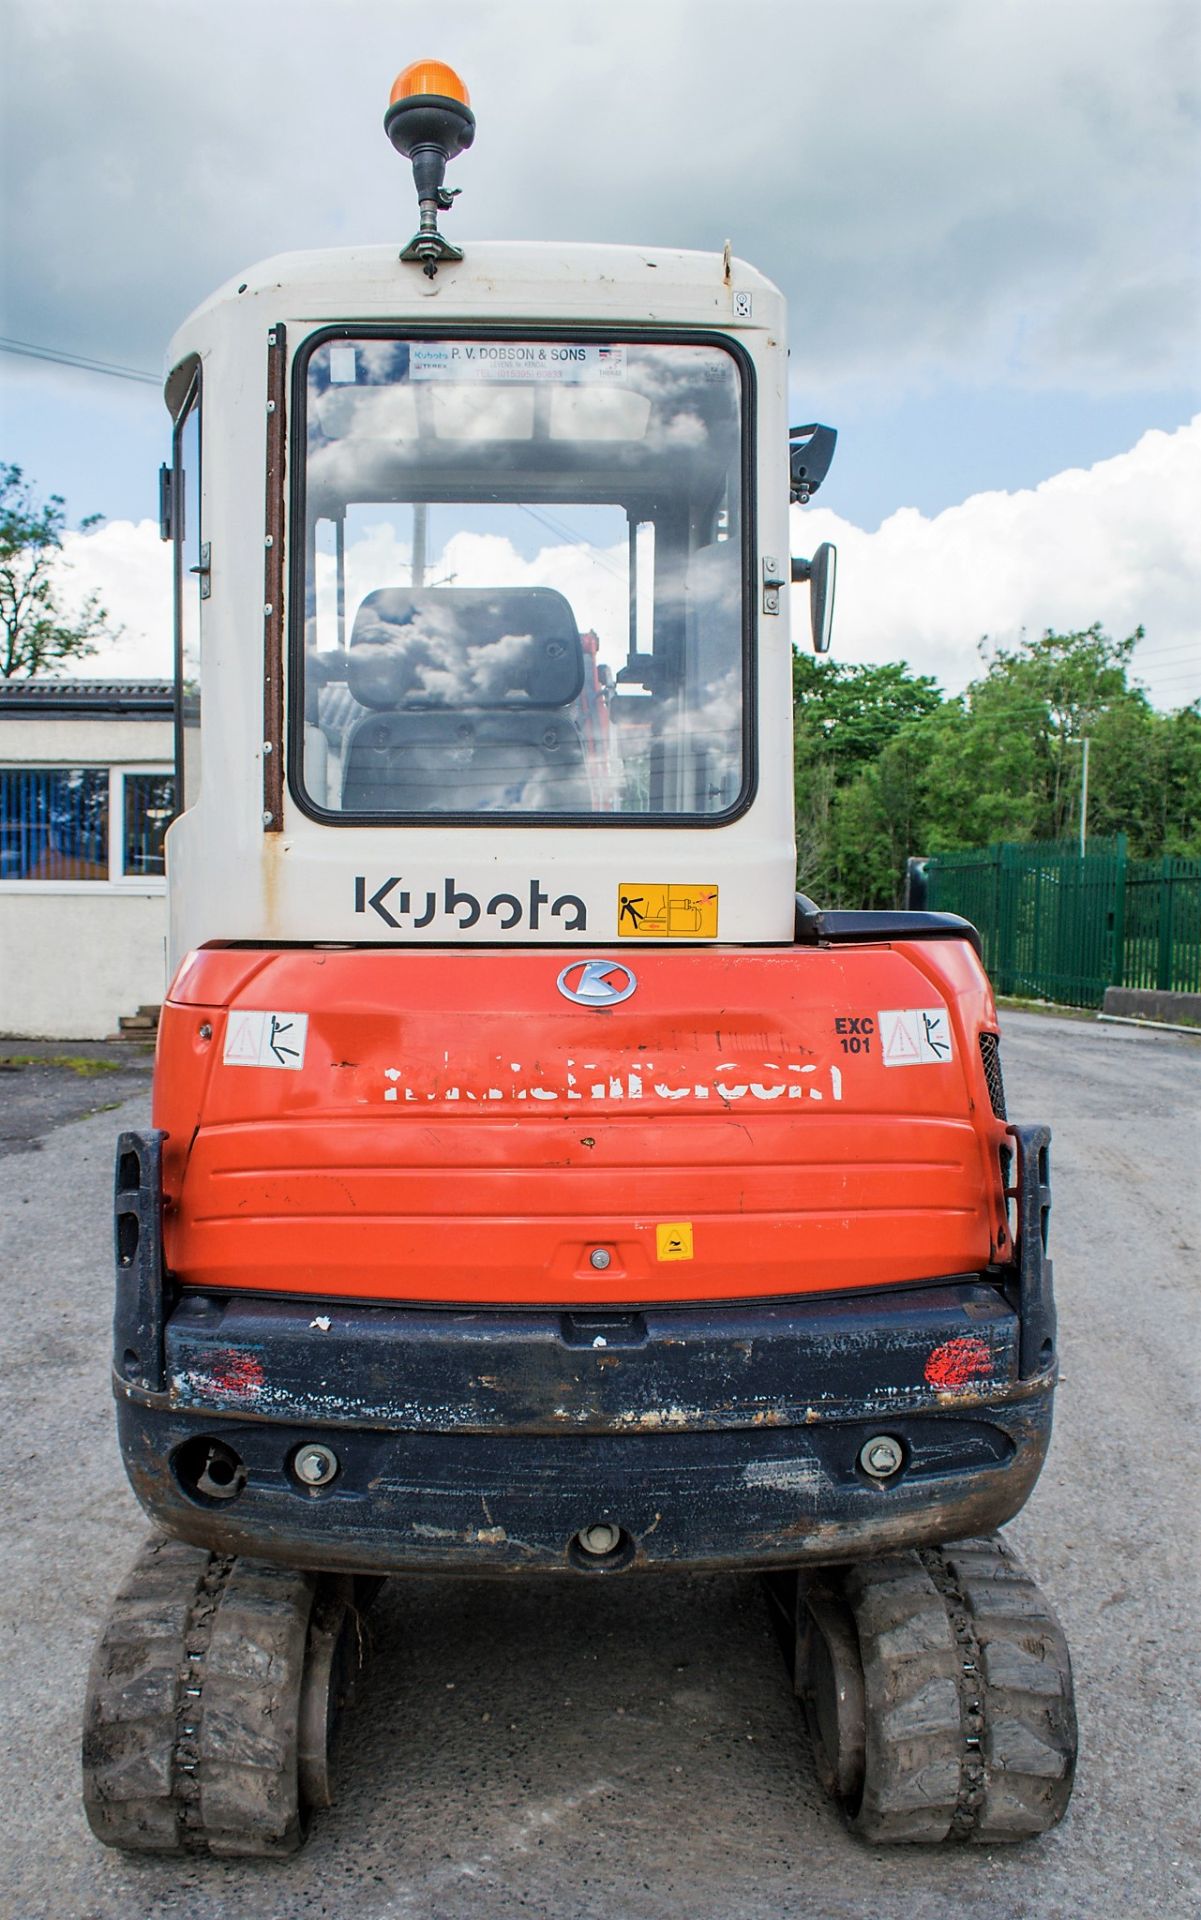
[
  {"x": 915, "y": 1037},
  {"x": 265, "y": 1039},
  {"x": 653, "y": 910}
]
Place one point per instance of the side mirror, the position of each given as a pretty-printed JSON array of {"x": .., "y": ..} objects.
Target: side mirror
[{"x": 821, "y": 573}]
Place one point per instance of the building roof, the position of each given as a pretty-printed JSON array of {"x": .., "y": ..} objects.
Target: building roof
[{"x": 86, "y": 699}]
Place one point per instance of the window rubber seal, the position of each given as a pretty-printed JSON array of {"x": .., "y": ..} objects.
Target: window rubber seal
[{"x": 523, "y": 822}]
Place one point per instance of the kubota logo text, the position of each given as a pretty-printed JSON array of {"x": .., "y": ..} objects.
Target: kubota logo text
[{"x": 402, "y": 905}]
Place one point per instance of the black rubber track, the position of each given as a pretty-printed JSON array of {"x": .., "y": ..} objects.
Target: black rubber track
[
  {"x": 961, "y": 1723},
  {"x": 1025, "y": 1671},
  {"x": 193, "y": 1704}
]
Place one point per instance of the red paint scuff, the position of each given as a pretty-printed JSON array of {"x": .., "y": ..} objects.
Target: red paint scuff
[
  {"x": 957, "y": 1362},
  {"x": 237, "y": 1373}
]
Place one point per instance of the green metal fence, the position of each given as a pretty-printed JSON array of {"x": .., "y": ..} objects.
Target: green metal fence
[
  {"x": 1162, "y": 944},
  {"x": 1061, "y": 925}
]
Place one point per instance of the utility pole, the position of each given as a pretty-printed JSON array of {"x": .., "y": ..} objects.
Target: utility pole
[
  {"x": 1084, "y": 799},
  {"x": 420, "y": 526}
]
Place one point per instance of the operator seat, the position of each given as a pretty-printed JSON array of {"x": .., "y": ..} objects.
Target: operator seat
[{"x": 470, "y": 691}]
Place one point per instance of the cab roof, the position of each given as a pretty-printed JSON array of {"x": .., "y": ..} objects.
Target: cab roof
[{"x": 497, "y": 281}]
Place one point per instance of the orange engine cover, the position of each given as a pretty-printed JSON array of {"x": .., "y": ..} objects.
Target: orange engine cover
[{"x": 448, "y": 1126}]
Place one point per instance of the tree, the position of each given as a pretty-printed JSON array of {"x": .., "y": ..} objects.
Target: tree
[
  {"x": 1145, "y": 779},
  {"x": 35, "y": 631},
  {"x": 846, "y": 714},
  {"x": 1058, "y": 689},
  {"x": 906, "y": 771},
  {"x": 851, "y": 711}
]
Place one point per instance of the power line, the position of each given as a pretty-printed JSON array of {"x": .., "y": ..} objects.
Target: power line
[
  {"x": 577, "y": 540},
  {"x": 82, "y": 361},
  {"x": 1153, "y": 655}
]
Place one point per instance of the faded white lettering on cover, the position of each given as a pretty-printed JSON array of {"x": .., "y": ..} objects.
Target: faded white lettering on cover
[
  {"x": 555, "y": 1081},
  {"x": 254, "y": 1039},
  {"x": 915, "y": 1036}
]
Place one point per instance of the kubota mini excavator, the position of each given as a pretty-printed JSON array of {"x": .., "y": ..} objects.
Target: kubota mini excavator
[{"x": 537, "y": 1185}]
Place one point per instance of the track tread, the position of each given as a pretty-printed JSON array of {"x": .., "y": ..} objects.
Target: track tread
[
  {"x": 969, "y": 1725},
  {"x": 190, "y": 1726},
  {"x": 249, "y": 1802},
  {"x": 130, "y": 1713},
  {"x": 912, "y": 1743},
  {"x": 1029, "y": 1743}
]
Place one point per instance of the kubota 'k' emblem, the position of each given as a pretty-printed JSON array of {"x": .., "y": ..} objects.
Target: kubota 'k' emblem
[{"x": 596, "y": 983}]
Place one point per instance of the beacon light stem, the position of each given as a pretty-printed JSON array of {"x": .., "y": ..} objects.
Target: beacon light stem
[{"x": 429, "y": 120}]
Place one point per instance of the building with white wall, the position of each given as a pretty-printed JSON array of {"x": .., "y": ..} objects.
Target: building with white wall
[{"x": 87, "y": 790}]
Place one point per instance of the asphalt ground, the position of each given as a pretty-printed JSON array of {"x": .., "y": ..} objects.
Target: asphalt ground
[
  {"x": 566, "y": 1751},
  {"x": 45, "y": 1084}
]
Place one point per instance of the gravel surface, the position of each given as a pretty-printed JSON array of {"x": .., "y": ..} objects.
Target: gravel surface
[{"x": 631, "y": 1750}]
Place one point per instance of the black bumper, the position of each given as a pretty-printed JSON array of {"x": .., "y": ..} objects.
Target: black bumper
[
  {"x": 714, "y": 1437},
  {"x": 486, "y": 1441}
]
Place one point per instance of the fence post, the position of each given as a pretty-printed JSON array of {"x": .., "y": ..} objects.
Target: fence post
[
  {"x": 1117, "y": 962},
  {"x": 1005, "y": 919},
  {"x": 1163, "y": 973}
]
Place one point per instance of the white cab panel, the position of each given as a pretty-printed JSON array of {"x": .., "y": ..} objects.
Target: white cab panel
[{"x": 315, "y": 880}]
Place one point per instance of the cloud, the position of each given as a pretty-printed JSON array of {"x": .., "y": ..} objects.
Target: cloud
[
  {"x": 127, "y": 564},
  {"x": 981, "y": 192},
  {"x": 1118, "y": 542},
  {"x": 593, "y": 580}
]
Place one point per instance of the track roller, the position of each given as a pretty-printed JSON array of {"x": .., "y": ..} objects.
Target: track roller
[
  {"x": 212, "y": 1702},
  {"x": 938, "y": 1691}
]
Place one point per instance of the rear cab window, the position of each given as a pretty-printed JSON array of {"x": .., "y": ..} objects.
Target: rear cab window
[{"x": 520, "y": 589}]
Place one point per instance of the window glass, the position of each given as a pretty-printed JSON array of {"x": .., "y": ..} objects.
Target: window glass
[
  {"x": 523, "y": 579},
  {"x": 149, "y": 803},
  {"x": 190, "y": 578},
  {"x": 54, "y": 823}
]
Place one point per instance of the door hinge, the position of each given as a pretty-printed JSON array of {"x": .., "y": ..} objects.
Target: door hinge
[
  {"x": 205, "y": 570},
  {"x": 166, "y": 503},
  {"x": 773, "y": 580}
]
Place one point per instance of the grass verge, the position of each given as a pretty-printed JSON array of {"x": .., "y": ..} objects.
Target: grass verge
[{"x": 72, "y": 1062}]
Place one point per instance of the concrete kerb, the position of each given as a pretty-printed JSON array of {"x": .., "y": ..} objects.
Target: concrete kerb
[{"x": 1147, "y": 1004}]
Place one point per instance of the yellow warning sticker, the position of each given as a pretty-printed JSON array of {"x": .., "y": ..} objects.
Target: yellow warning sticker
[
  {"x": 674, "y": 1241},
  {"x": 650, "y": 910}
]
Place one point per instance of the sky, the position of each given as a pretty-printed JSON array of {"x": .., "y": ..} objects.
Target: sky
[{"x": 986, "y": 219}]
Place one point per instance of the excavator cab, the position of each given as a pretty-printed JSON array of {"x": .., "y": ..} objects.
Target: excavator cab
[{"x": 538, "y": 1185}]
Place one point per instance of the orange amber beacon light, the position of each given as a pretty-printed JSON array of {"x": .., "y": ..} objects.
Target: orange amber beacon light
[
  {"x": 422, "y": 77},
  {"x": 430, "y": 121}
]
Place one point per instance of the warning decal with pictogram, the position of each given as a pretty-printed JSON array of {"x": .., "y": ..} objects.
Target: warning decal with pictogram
[
  {"x": 653, "y": 910},
  {"x": 915, "y": 1036},
  {"x": 243, "y": 1038},
  {"x": 265, "y": 1039}
]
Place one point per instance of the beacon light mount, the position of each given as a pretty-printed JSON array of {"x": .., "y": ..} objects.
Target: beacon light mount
[{"x": 429, "y": 120}]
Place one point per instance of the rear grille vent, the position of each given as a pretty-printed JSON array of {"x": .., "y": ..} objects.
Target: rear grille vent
[{"x": 990, "y": 1054}]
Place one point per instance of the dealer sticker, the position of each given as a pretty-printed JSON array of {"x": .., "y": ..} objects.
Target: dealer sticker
[{"x": 521, "y": 360}]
